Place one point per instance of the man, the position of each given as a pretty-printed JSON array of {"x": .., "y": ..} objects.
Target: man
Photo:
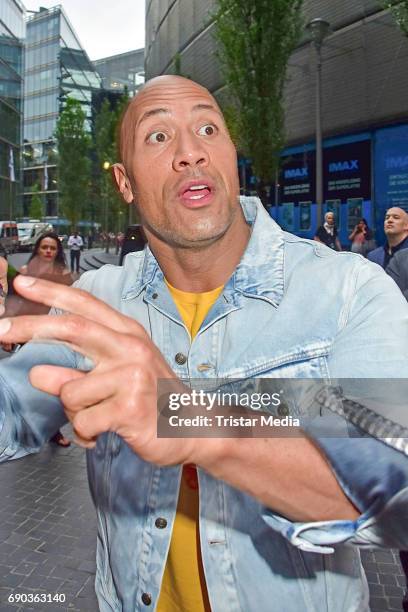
[
  {"x": 327, "y": 233},
  {"x": 75, "y": 245},
  {"x": 396, "y": 231},
  {"x": 270, "y": 510},
  {"x": 398, "y": 270}
]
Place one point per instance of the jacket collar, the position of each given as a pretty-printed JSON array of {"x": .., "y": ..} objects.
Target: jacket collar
[{"x": 260, "y": 273}]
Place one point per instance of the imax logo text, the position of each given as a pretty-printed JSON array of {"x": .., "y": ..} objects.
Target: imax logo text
[
  {"x": 346, "y": 166},
  {"x": 397, "y": 162},
  {"x": 295, "y": 173}
]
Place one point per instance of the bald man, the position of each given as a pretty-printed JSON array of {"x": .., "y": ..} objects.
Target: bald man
[
  {"x": 221, "y": 292},
  {"x": 396, "y": 231}
]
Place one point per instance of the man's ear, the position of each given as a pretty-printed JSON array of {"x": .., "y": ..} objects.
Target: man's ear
[{"x": 122, "y": 182}]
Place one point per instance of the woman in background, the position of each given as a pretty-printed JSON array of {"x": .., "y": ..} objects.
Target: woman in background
[
  {"x": 48, "y": 262},
  {"x": 361, "y": 237}
]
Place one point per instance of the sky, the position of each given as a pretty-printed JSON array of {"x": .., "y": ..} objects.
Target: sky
[{"x": 104, "y": 27}]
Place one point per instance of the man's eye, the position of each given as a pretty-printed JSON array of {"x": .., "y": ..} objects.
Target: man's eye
[
  {"x": 156, "y": 137},
  {"x": 207, "y": 130}
]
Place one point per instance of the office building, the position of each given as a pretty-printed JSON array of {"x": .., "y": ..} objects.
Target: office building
[
  {"x": 11, "y": 102},
  {"x": 364, "y": 109},
  {"x": 122, "y": 72},
  {"x": 56, "y": 67}
]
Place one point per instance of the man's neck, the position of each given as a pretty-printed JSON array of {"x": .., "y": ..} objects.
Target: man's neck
[
  {"x": 394, "y": 241},
  {"x": 204, "y": 269}
]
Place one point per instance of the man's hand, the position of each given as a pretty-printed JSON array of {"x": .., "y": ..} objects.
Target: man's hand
[{"x": 120, "y": 393}]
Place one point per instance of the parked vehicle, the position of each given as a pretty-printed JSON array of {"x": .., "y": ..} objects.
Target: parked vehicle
[
  {"x": 29, "y": 233},
  {"x": 8, "y": 236}
]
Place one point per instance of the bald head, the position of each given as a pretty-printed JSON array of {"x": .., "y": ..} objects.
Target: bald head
[
  {"x": 396, "y": 225},
  {"x": 150, "y": 100}
]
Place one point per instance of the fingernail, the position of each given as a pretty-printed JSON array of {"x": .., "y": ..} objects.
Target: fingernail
[
  {"x": 26, "y": 281},
  {"x": 4, "y": 326}
]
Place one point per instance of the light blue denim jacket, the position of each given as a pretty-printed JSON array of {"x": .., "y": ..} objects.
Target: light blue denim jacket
[{"x": 293, "y": 308}]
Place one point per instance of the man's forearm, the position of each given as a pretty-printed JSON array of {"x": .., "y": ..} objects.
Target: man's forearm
[{"x": 288, "y": 475}]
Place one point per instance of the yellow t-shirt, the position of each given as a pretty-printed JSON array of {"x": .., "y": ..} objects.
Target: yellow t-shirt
[{"x": 183, "y": 587}]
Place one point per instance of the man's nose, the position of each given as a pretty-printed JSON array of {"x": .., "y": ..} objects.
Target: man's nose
[{"x": 190, "y": 153}]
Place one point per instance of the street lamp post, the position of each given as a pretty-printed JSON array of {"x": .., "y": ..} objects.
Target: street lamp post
[
  {"x": 106, "y": 166},
  {"x": 318, "y": 29}
]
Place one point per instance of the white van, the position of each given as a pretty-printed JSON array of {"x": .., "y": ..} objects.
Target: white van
[
  {"x": 28, "y": 233},
  {"x": 8, "y": 237}
]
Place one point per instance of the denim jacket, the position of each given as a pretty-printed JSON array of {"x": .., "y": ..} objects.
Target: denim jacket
[{"x": 293, "y": 308}]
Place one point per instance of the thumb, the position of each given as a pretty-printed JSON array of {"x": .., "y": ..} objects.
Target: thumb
[{"x": 51, "y": 379}]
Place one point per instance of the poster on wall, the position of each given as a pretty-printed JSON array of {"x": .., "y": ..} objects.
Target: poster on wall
[
  {"x": 347, "y": 171},
  {"x": 305, "y": 215},
  {"x": 391, "y": 168},
  {"x": 297, "y": 177},
  {"x": 354, "y": 212},
  {"x": 287, "y": 219}
]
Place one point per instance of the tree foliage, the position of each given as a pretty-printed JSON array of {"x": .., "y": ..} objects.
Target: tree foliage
[
  {"x": 106, "y": 152},
  {"x": 73, "y": 141},
  {"x": 255, "y": 40},
  {"x": 400, "y": 12},
  {"x": 36, "y": 205}
]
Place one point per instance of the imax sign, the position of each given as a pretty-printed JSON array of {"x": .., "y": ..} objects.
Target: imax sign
[
  {"x": 397, "y": 163},
  {"x": 295, "y": 173},
  {"x": 344, "y": 166}
]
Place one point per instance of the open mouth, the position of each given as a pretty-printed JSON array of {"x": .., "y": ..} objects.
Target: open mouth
[{"x": 196, "y": 192}]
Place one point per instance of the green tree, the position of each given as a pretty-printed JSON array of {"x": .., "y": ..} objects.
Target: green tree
[
  {"x": 73, "y": 142},
  {"x": 106, "y": 153},
  {"x": 400, "y": 12},
  {"x": 255, "y": 40},
  {"x": 36, "y": 210}
]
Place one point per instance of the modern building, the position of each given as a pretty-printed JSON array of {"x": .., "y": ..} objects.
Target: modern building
[
  {"x": 56, "y": 67},
  {"x": 364, "y": 109},
  {"x": 11, "y": 102},
  {"x": 121, "y": 72}
]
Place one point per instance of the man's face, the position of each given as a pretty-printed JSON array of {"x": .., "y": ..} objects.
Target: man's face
[
  {"x": 396, "y": 223},
  {"x": 330, "y": 218},
  {"x": 181, "y": 164}
]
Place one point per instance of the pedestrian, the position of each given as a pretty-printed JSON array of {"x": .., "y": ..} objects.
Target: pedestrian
[
  {"x": 396, "y": 232},
  {"x": 47, "y": 261},
  {"x": 186, "y": 522},
  {"x": 327, "y": 233},
  {"x": 362, "y": 240},
  {"x": 75, "y": 245}
]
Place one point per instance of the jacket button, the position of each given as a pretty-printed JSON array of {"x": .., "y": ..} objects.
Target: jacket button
[
  {"x": 180, "y": 358},
  {"x": 155, "y": 296},
  {"x": 160, "y": 523},
  {"x": 146, "y": 599},
  {"x": 283, "y": 410}
]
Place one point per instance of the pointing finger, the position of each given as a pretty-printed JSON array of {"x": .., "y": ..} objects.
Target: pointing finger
[{"x": 76, "y": 301}]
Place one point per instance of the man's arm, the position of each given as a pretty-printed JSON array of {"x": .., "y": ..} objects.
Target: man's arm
[
  {"x": 120, "y": 395},
  {"x": 398, "y": 270}
]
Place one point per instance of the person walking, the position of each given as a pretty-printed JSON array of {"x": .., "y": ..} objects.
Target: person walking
[
  {"x": 75, "y": 245},
  {"x": 327, "y": 233}
]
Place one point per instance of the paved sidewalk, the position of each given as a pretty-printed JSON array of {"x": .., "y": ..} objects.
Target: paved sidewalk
[
  {"x": 48, "y": 537},
  {"x": 47, "y": 531}
]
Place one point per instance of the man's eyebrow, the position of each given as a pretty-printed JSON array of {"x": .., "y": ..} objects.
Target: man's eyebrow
[
  {"x": 165, "y": 111},
  {"x": 152, "y": 113}
]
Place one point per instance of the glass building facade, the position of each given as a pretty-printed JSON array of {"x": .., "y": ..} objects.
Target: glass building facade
[
  {"x": 12, "y": 29},
  {"x": 56, "y": 67},
  {"x": 122, "y": 71}
]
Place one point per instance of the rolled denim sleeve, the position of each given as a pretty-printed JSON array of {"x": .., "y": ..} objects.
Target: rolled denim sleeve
[
  {"x": 372, "y": 342},
  {"x": 29, "y": 417}
]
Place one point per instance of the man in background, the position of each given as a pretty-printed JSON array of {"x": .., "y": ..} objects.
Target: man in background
[
  {"x": 396, "y": 231},
  {"x": 75, "y": 245}
]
